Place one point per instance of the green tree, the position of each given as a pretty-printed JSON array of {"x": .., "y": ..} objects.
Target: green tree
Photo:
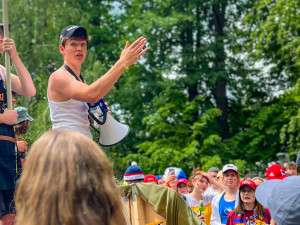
[{"x": 192, "y": 52}]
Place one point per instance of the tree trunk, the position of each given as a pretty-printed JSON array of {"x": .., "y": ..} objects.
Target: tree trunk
[{"x": 219, "y": 90}]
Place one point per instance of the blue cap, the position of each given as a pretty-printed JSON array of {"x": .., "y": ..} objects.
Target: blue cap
[
  {"x": 181, "y": 175},
  {"x": 282, "y": 198},
  {"x": 158, "y": 177},
  {"x": 134, "y": 173}
]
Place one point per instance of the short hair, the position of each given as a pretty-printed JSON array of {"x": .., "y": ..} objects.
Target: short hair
[
  {"x": 67, "y": 179},
  {"x": 290, "y": 166},
  {"x": 213, "y": 169}
]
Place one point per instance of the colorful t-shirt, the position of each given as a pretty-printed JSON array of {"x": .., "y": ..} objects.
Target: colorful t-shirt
[
  {"x": 195, "y": 205},
  {"x": 237, "y": 219},
  {"x": 225, "y": 208}
]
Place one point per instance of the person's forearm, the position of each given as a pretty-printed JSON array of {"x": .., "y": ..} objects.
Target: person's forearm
[
  {"x": 217, "y": 183},
  {"x": 101, "y": 87},
  {"x": 25, "y": 85}
]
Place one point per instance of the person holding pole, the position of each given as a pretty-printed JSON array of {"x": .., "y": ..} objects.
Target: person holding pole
[
  {"x": 9, "y": 159},
  {"x": 68, "y": 95}
]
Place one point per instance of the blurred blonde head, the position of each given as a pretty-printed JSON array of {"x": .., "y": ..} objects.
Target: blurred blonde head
[{"x": 67, "y": 180}]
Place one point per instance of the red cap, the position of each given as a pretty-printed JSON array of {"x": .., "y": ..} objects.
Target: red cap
[
  {"x": 148, "y": 178},
  {"x": 276, "y": 172},
  {"x": 249, "y": 183},
  {"x": 182, "y": 180}
]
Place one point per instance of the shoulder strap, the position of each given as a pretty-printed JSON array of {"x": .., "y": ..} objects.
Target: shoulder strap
[{"x": 71, "y": 72}]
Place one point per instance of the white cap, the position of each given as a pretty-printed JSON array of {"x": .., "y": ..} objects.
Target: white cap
[{"x": 230, "y": 167}]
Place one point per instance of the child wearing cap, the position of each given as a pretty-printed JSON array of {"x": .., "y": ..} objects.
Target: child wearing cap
[
  {"x": 134, "y": 174},
  {"x": 224, "y": 202},
  {"x": 20, "y": 128},
  {"x": 248, "y": 210},
  {"x": 183, "y": 186},
  {"x": 68, "y": 94}
]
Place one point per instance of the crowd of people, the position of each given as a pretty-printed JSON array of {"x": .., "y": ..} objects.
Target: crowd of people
[
  {"x": 67, "y": 179},
  {"x": 223, "y": 197}
]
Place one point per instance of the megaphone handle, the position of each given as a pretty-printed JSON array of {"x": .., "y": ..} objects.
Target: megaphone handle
[
  {"x": 96, "y": 119},
  {"x": 97, "y": 130}
]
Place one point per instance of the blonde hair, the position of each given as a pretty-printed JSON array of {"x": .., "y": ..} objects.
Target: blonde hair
[{"x": 67, "y": 180}]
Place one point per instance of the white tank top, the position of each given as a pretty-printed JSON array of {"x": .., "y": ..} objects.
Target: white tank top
[
  {"x": 2, "y": 77},
  {"x": 70, "y": 115}
]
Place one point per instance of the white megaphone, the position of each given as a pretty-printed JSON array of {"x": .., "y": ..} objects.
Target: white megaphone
[{"x": 111, "y": 131}]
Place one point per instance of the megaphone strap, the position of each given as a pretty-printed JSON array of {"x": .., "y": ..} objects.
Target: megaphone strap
[{"x": 71, "y": 72}]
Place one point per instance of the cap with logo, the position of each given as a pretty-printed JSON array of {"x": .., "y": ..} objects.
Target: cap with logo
[
  {"x": 276, "y": 171},
  {"x": 230, "y": 167},
  {"x": 71, "y": 31},
  {"x": 249, "y": 183},
  {"x": 150, "y": 178}
]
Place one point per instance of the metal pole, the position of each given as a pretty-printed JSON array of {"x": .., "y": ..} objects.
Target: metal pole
[{"x": 7, "y": 58}]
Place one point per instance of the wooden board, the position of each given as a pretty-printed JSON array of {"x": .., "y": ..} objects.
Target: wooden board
[{"x": 140, "y": 212}]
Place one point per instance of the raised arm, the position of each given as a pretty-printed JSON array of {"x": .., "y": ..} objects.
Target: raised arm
[
  {"x": 22, "y": 83},
  {"x": 63, "y": 86},
  {"x": 213, "y": 181}
]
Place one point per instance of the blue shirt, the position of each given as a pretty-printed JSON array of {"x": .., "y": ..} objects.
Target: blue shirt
[{"x": 224, "y": 209}]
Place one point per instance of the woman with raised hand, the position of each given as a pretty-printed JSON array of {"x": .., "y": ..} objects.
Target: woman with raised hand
[
  {"x": 248, "y": 210},
  {"x": 67, "y": 179}
]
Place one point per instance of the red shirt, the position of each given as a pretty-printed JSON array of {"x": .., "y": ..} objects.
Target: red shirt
[{"x": 234, "y": 219}]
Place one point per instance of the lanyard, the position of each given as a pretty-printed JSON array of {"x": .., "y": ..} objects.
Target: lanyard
[{"x": 71, "y": 72}]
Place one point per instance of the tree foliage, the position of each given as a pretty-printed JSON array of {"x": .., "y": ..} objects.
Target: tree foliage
[{"x": 218, "y": 84}]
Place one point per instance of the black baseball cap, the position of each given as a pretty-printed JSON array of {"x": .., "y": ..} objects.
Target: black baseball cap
[{"x": 71, "y": 30}]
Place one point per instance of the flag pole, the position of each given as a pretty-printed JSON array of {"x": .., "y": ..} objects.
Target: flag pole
[{"x": 7, "y": 57}]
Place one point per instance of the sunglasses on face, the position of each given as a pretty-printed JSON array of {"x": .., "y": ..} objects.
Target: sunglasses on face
[{"x": 250, "y": 191}]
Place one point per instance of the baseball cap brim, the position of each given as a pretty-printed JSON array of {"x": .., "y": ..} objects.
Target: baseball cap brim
[
  {"x": 277, "y": 178},
  {"x": 264, "y": 190},
  {"x": 282, "y": 199},
  {"x": 228, "y": 169},
  {"x": 182, "y": 181}
]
